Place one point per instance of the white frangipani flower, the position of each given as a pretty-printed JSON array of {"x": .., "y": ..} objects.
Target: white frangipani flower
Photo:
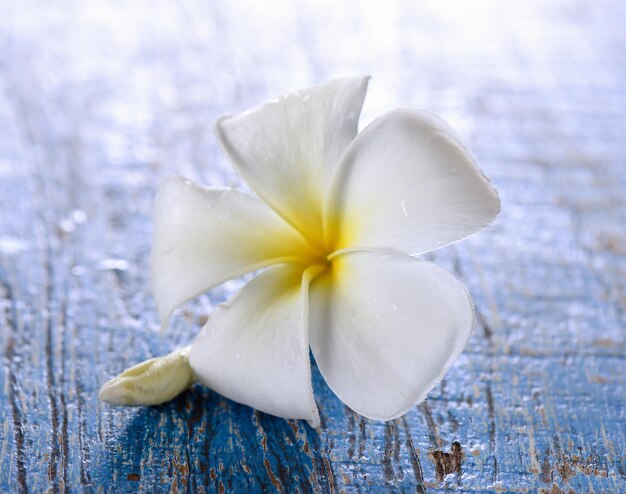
[{"x": 338, "y": 217}]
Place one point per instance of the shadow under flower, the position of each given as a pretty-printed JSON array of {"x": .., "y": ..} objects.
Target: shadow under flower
[{"x": 201, "y": 440}]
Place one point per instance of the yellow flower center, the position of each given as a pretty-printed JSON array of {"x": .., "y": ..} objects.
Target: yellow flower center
[{"x": 318, "y": 253}]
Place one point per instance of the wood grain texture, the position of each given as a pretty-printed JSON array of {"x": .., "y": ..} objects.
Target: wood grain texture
[{"x": 100, "y": 101}]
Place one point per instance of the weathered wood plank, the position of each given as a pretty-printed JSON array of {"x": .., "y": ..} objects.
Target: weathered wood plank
[{"x": 100, "y": 102}]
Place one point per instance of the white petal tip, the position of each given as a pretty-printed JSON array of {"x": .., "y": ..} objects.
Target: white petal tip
[
  {"x": 314, "y": 423},
  {"x": 220, "y": 120}
]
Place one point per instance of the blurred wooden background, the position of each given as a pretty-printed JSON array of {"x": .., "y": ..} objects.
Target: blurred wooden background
[{"x": 101, "y": 100}]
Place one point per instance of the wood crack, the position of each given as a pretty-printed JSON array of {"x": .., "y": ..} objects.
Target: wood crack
[
  {"x": 17, "y": 417},
  {"x": 414, "y": 458}
]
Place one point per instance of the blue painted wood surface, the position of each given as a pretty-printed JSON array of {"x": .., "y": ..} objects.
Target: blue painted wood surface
[{"x": 99, "y": 101}]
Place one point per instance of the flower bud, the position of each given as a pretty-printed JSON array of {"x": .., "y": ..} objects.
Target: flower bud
[{"x": 151, "y": 382}]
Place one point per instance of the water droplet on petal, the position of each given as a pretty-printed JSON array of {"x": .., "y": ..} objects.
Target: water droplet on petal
[{"x": 405, "y": 213}]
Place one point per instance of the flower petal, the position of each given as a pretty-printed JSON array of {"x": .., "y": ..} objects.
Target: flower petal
[
  {"x": 407, "y": 183},
  {"x": 288, "y": 149},
  {"x": 385, "y": 328},
  {"x": 254, "y": 349},
  {"x": 204, "y": 237}
]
